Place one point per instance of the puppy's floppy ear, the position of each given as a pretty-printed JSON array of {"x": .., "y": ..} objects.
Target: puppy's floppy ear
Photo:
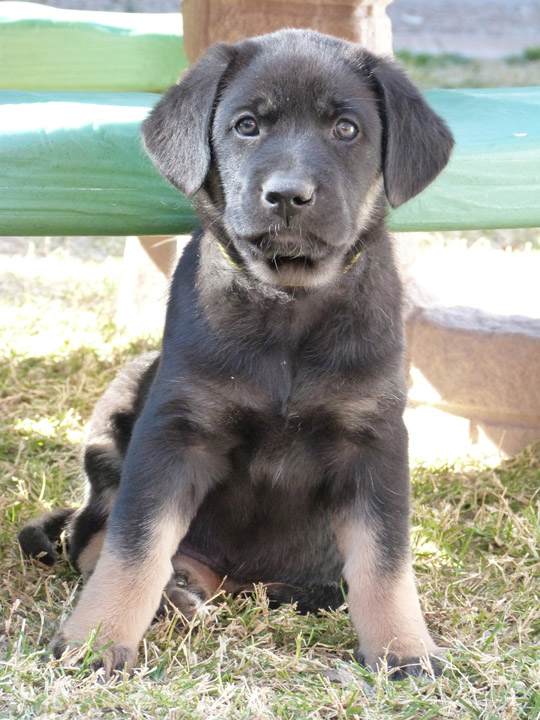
[
  {"x": 416, "y": 141},
  {"x": 176, "y": 133}
]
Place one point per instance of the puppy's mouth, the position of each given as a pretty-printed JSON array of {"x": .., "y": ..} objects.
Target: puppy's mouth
[
  {"x": 290, "y": 263},
  {"x": 288, "y": 260},
  {"x": 286, "y": 249}
]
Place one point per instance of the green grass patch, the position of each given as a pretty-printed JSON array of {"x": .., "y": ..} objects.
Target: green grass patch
[
  {"x": 475, "y": 535},
  {"x": 426, "y": 60},
  {"x": 450, "y": 70},
  {"x": 532, "y": 54},
  {"x": 529, "y": 55}
]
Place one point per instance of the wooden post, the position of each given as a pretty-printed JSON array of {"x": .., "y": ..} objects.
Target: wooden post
[{"x": 210, "y": 21}]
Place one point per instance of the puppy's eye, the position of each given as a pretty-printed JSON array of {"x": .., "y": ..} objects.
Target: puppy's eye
[
  {"x": 247, "y": 127},
  {"x": 345, "y": 130}
]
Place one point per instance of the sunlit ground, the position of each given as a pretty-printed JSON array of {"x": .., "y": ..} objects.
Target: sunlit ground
[
  {"x": 57, "y": 296},
  {"x": 474, "y": 533}
]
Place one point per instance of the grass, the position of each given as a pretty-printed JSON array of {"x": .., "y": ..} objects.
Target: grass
[{"x": 475, "y": 537}]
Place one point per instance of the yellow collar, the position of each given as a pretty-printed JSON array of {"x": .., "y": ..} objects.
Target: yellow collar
[
  {"x": 229, "y": 259},
  {"x": 349, "y": 265},
  {"x": 235, "y": 265}
]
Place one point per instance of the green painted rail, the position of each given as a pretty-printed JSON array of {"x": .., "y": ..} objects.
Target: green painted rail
[
  {"x": 493, "y": 178},
  {"x": 71, "y": 163}
]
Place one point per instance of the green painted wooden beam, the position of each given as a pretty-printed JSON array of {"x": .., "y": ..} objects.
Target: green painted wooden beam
[
  {"x": 72, "y": 164},
  {"x": 44, "y": 48},
  {"x": 493, "y": 179}
]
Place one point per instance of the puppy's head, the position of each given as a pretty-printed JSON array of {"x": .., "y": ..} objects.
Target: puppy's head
[{"x": 294, "y": 139}]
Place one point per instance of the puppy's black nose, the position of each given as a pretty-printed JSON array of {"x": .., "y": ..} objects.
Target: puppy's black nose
[{"x": 286, "y": 195}]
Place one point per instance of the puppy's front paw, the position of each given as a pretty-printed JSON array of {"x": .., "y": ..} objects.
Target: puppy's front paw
[
  {"x": 111, "y": 657},
  {"x": 400, "y": 666}
]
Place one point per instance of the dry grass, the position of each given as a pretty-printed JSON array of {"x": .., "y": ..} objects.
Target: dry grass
[{"x": 475, "y": 534}]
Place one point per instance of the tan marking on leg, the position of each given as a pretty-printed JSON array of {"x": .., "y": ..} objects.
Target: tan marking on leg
[
  {"x": 89, "y": 556},
  {"x": 122, "y": 596},
  {"x": 384, "y": 608}
]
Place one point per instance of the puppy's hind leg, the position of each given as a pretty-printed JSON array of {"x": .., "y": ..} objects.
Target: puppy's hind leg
[
  {"x": 109, "y": 434},
  {"x": 103, "y": 466},
  {"x": 191, "y": 585},
  {"x": 39, "y": 537}
]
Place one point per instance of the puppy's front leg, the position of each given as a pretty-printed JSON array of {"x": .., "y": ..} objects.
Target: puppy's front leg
[
  {"x": 123, "y": 593},
  {"x": 384, "y": 606},
  {"x": 162, "y": 486},
  {"x": 382, "y": 596}
]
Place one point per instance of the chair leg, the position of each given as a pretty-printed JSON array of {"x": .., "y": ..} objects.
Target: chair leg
[
  {"x": 163, "y": 251},
  {"x": 142, "y": 296}
]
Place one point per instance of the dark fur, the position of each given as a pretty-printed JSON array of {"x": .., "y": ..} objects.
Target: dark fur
[{"x": 275, "y": 408}]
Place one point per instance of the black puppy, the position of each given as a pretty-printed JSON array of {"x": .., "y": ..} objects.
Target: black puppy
[{"x": 266, "y": 442}]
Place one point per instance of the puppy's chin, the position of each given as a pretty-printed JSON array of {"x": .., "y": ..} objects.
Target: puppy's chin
[{"x": 291, "y": 272}]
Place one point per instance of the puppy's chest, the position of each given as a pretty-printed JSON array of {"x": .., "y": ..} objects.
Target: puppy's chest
[{"x": 299, "y": 433}]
